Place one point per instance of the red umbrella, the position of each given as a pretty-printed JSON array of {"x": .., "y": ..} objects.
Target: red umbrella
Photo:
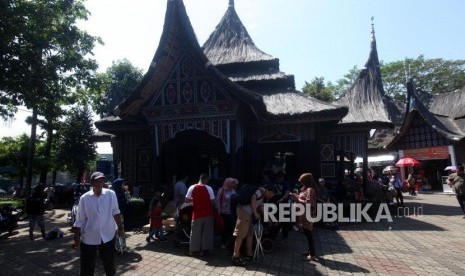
[{"x": 407, "y": 162}]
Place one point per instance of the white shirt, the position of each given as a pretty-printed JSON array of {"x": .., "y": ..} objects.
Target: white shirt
[
  {"x": 95, "y": 217},
  {"x": 209, "y": 189},
  {"x": 180, "y": 191}
]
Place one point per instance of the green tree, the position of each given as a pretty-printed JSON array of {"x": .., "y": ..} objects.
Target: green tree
[
  {"x": 342, "y": 85},
  {"x": 13, "y": 152},
  {"x": 44, "y": 56},
  {"x": 319, "y": 90},
  {"x": 431, "y": 75},
  {"x": 75, "y": 147},
  {"x": 113, "y": 86}
]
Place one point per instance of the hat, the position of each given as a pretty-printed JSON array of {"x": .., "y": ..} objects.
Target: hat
[{"x": 96, "y": 175}]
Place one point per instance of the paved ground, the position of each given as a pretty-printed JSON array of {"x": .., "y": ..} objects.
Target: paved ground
[{"x": 430, "y": 244}]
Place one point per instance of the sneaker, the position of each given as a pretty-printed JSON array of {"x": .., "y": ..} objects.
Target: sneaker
[{"x": 148, "y": 239}]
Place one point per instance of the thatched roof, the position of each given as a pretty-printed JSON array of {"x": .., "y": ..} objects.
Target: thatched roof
[
  {"x": 451, "y": 104},
  {"x": 178, "y": 35},
  {"x": 383, "y": 136},
  {"x": 443, "y": 124},
  {"x": 231, "y": 43},
  {"x": 366, "y": 99},
  {"x": 296, "y": 103},
  {"x": 112, "y": 125},
  {"x": 231, "y": 49},
  {"x": 101, "y": 136}
]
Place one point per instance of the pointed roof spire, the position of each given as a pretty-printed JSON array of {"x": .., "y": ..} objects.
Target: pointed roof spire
[
  {"x": 373, "y": 29},
  {"x": 366, "y": 98},
  {"x": 231, "y": 43}
]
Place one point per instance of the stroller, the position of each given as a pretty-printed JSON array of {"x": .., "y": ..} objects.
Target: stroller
[
  {"x": 270, "y": 232},
  {"x": 183, "y": 225}
]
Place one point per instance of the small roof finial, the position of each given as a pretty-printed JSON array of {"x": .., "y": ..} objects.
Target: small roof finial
[
  {"x": 231, "y": 3},
  {"x": 373, "y": 28}
]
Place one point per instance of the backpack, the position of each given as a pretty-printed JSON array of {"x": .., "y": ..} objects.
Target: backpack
[{"x": 245, "y": 193}]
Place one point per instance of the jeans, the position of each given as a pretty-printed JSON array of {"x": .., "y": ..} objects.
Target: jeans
[{"x": 157, "y": 231}]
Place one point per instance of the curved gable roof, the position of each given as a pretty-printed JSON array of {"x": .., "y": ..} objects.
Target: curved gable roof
[
  {"x": 444, "y": 125},
  {"x": 178, "y": 36}
]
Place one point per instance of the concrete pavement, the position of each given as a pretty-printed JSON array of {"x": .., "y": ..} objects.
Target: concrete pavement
[{"x": 430, "y": 244}]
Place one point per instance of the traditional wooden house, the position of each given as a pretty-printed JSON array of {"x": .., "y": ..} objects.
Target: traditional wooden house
[
  {"x": 227, "y": 109},
  {"x": 432, "y": 131}
]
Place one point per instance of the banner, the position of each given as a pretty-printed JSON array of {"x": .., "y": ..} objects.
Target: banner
[{"x": 428, "y": 153}]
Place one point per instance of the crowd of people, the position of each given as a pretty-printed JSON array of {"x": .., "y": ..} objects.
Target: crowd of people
[{"x": 238, "y": 206}]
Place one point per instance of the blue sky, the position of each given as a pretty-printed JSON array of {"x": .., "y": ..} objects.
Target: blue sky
[{"x": 310, "y": 37}]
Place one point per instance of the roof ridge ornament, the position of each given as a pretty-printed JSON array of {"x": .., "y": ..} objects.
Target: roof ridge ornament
[
  {"x": 373, "y": 28},
  {"x": 231, "y": 3}
]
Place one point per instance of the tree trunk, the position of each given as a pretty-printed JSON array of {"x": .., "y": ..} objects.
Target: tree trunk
[
  {"x": 31, "y": 152},
  {"x": 54, "y": 177},
  {"x": 48, "y": 150}
]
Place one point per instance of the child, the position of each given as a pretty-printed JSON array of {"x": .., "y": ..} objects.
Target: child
[{"x": 156, "y": 223}]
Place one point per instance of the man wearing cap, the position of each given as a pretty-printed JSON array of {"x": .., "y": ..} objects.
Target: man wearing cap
[{"x": 97, "y": 221}]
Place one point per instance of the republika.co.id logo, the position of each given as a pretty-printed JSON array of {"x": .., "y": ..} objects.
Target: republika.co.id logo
[{"x": 326, "y": 212}]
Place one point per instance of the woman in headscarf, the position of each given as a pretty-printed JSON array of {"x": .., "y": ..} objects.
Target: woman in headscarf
[
  {"x": 223, "y": 203},
  {"x": 306, "y": 196}
]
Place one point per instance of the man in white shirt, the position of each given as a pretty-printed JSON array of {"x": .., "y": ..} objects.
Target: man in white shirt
[
  {"x": 180, "y": 191},
  {"x": 97, "y": 221}
]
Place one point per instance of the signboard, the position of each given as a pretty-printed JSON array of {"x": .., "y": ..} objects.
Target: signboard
[{"x": 428, "y": 153}]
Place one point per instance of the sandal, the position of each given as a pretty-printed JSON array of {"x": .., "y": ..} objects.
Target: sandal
[{"x": 237, "y": 261}]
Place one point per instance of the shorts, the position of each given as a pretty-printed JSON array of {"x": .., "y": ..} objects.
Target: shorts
[
  {"x": 33, "y": 219},
  {"x": 244, "y": 225}
]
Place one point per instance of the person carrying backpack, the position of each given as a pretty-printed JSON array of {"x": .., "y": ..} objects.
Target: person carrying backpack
[{"x": 248, "y": 198}]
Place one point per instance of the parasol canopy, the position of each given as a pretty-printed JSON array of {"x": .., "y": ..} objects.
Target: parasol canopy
[
  {"x": 389, "y": 169},
  {"x": 407, "y": 162},
  {"x": 451, "y": 168}
]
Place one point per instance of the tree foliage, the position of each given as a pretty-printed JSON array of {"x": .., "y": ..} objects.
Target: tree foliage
[
  {"x": 430, "y": 75},
  {"x": 319, "y": 90},
  {"x": 113, "y": 86},
  {"x": 13, "y": 152},
  {"x": 75, "y": 147},
  {"x": 343, "y": 84},
  {"x": 43, "y": 53},
  {"x": 44, "y": 58}
]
